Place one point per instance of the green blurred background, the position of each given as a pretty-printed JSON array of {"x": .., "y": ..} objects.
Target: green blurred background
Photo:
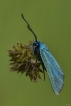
[{"x": 51, "y": 21}]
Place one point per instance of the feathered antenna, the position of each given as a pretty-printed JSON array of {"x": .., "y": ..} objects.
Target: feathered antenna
[{"x": 29, "y": 27}]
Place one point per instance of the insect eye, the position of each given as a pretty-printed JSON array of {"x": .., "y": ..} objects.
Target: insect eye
[
  {"x": 37, "y": 44},
  {"x": 34, "y": 44}
]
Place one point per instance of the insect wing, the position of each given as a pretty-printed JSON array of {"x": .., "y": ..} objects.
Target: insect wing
[{"x": 53, "y": 69}]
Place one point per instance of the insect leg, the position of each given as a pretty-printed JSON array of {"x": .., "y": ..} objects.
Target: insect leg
[{"x": 44, "y": 73}]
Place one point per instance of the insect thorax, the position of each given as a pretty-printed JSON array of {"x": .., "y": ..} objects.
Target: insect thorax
[{"x": 36, "y": 49}]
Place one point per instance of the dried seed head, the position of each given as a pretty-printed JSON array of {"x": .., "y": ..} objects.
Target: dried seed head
[{"x": 23, "y": 60}]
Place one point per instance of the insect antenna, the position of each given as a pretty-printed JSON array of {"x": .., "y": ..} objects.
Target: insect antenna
[{"x": 29, "y": 27}]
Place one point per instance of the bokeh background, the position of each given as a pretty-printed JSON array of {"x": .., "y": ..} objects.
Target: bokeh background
[{"x": 51, "y": 21}]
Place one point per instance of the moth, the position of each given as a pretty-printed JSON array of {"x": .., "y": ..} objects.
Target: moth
[{"x": 48, "y": 62}]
